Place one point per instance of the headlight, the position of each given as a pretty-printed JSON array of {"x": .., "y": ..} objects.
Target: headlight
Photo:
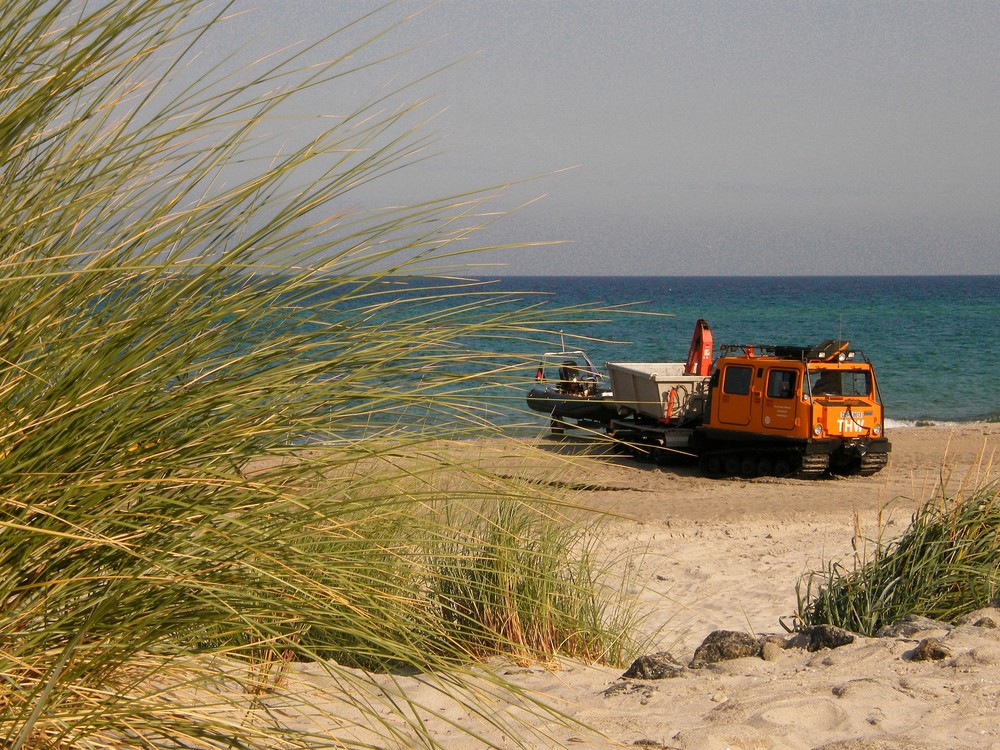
[
  {"x": 818, "y": 430},
  {"x": 877, "y": 430}
]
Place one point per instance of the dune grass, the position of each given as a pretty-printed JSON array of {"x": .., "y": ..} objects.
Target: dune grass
[
  {"x": 223, "y": 396},
  {"x": 944, "y": 565}
]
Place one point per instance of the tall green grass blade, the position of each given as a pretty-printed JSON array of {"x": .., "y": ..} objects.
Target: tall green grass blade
[{"x": 223, "y": 391}]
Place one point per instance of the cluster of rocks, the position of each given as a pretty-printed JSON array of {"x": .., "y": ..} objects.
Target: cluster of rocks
[{"x": 724, "y": 645}]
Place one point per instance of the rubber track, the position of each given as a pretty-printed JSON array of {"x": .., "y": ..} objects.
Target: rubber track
[
  {"x": 814, "y": 465},
  {"x": 873, "y": 463},
  {"x": 773, "y": 457}
]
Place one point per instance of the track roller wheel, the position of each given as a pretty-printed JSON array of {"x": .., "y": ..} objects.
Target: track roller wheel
[
  {"x": 641, "y": 451},
  {"x": 782, "y": 467},
  {"x": 710, "y": 465},
  {"x": 748, "y": 467}
]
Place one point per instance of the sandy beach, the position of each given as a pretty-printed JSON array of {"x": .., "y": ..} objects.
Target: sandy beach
[{"x": 726, "y": 555}]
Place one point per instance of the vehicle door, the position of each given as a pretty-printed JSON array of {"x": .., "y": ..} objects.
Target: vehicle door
[
  {"x": 780, "y": 399},
  {"x": 735, "y": 399}
]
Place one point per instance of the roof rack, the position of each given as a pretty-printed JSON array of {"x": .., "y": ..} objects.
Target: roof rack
[{"x": 830, "y": 350}]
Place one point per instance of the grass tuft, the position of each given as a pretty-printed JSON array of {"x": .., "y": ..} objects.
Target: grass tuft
[{"x": 946, "y": 564}]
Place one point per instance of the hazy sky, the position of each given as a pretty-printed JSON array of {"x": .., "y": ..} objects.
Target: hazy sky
[{"x": 705, "y": 137}]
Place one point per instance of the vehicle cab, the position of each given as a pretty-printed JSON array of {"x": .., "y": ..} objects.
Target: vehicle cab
[
  {"x": 827, "y": 391},
  {"x": 844, "y": 397}
]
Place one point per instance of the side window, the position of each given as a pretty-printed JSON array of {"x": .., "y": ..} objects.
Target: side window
[
  {"x": 781, "y": 384},
  {"x": 737, "y": 380}
]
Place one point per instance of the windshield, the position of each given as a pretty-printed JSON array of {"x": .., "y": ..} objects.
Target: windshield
[{"x": 841, "y": 382}]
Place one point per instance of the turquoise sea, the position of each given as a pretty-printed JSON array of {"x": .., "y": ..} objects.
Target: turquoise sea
[{"x": 934, "y": 341}]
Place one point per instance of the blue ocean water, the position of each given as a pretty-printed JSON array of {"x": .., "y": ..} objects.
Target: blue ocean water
[{"x": 934, "y": 341}]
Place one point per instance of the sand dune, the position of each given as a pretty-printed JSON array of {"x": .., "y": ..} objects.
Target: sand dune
[{"x": 726, "y": 554}]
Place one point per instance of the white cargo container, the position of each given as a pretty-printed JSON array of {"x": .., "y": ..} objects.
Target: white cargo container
[{"x": 658, "y": 390}]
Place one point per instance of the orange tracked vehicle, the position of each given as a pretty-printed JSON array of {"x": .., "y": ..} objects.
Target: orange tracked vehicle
[{"x": 758, "y": 410}]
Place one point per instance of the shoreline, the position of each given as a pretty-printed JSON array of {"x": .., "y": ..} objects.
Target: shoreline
[{"x": 905, "y": 424}]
